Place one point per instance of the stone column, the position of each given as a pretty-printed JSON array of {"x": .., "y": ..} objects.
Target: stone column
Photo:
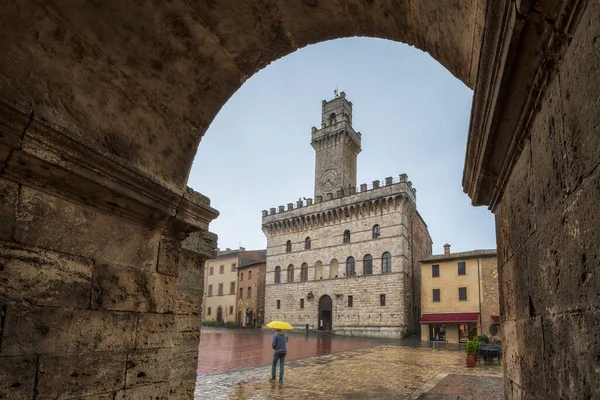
[{"x": 98, "y": 295}]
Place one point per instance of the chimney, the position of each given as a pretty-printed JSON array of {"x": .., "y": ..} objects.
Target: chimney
[{"x": 446, "y": 250}]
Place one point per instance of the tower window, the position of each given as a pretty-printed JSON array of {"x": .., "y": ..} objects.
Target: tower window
[
  {"x": 350, "y": 266},
  {"x": 376, "y": 231},
  {"x": 278, "y": 304},
  {"x": 331, "y": 118},
  {"x": 307, "y": 243},
  {"x": 386, "y": 263},
  {"x": 368, "y": 265},
  {"x": 288, "y": 246},
  {"x": 350, "y": 301},
  {"x": 304, "y": 272},
  {"x": 382, "y": 299},
  {"x": 301, "y": 303},
  {"x": 346, "y": 236},
  {"x": 290, "y": 273},
  {"x": 277, "y": 274}
]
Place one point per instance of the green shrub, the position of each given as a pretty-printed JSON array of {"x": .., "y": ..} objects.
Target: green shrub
[
  {"x": 231, "y": 324},
  {"x": 471, "y": 346},
  {"x": 484, "y": 339},
  {"x": 209, "y": 323}
]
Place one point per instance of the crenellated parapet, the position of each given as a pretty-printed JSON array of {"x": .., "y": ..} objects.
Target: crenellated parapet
[{"x": 376, "y": 198}]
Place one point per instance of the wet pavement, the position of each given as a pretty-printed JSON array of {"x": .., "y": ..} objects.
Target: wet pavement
[
  {"x": 354, "y": 369},
  {"x": 223, "y": 350}
]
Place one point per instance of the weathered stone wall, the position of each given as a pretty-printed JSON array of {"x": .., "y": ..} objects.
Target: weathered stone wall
[
  {"x": 92, "y": 303},
  {"x": 490, "y": 295},
  {"x": 549, "y": 237},
  {"x": 420, "y": 247}
]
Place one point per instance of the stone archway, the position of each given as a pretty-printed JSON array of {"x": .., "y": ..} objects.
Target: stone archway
[{"x": 102, "y": 107}]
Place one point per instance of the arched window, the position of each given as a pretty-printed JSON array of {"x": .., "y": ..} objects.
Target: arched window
[
  {"x": 241, "y": 293},
  {"x": 350, "y": 266},
  {"x": 307, "y": 243},
  {"x": 333, "y": 268},
  {"x": 376, "y": 231},
  {"x": 346, "y": 236},
  {"x": 331, "y": 118},
  {"x": 249, "y": 292},
  {"x": 386, "y": 263},
  {"x": 368, "y": 265},
  {"x": 318, "y": 270},
  {"x": 288, "y": 246},
  {"x": 290, "y": 277},
  {"x": 304, "y": 272},
  {"x": 277, "y": 274}
]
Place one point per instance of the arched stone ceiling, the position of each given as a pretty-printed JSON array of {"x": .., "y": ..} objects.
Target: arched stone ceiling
[{"x": 140, "y": 81}]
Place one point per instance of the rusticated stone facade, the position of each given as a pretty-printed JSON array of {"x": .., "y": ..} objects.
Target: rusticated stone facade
[
  {"x": 102, "y": 107},
  {"x": 251, "y": 296},
  {"x": 349, "y": 248}
]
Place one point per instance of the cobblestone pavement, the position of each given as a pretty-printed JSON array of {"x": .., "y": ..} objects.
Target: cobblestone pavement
[{"x": 376, "y": 372}]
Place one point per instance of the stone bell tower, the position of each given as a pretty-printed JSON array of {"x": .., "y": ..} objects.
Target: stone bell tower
[{"x": 336, "y": 146}]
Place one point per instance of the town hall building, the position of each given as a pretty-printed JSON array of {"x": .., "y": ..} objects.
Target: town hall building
[{"x": 347, "y": 261}]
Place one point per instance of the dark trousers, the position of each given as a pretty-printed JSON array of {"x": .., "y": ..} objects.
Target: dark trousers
[{"x": 281, "y": 358}]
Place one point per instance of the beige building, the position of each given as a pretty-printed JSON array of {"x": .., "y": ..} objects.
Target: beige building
[
  {"x": 221, "y": 283},
  {"x": 459, "y": 295},
  {"x": 347, "y": 262}
]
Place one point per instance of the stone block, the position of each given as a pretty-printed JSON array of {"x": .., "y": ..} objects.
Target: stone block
[
  {"x": 17, "y": 377},
  {"x": 565, "y": 276},
  {"x": 53, "y": 223},
  {"x": 9, "y": 195},
  {"x": 131, "y": 289},
  {"x": 43, "y": 330},
  {"x": 158, "y": 391},
  {"x": 43, "y": 277},
  {"x": 147, "y": 366},
  {"x": 184, "y": 365},
  {"x": 169, "y": 256},
  {"x": 182, "y": 390},
  {"x": 579, "y": 77},
  {"x": 187, "y": 331},
  {"x": 155, "y": 331},
  {"x": 76, "y": 375},
  {"x": 571, "y": 354}
]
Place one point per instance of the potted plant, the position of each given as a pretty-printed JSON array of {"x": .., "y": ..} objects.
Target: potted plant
[{"x": 471, "y": 348}]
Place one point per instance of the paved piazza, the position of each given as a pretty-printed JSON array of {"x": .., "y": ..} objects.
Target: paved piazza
[{"x": 370, "y": 370}]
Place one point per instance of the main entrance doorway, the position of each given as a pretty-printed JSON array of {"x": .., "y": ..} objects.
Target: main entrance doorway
[
  {"x": 219, "y": 315},
  {"x": 325, "y": 312}
]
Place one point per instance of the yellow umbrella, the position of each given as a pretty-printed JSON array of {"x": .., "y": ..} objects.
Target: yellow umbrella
[{"x": 280, "y": 325}]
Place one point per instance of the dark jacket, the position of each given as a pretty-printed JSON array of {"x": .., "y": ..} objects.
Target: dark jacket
[{"x": 279, "y": 343}]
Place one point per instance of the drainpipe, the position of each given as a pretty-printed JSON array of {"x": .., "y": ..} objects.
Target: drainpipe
[{"x": 479, "y": 291}]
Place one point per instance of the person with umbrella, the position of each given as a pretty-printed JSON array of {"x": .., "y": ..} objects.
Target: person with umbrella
[{"x": 279, "y": 344}]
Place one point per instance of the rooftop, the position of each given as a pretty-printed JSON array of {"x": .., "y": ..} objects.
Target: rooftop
[{"x": 462, "y": 254}]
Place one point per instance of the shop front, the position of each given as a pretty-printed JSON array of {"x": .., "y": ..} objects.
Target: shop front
[{"x": 449, "y": 327}]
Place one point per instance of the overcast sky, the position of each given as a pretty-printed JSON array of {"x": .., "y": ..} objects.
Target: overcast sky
[{"x": 413, "y": 116}]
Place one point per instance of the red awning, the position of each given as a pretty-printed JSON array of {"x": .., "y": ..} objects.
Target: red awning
[
  {"x": 449, "y": 318},
  {"x": 496, "y": 319}
]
